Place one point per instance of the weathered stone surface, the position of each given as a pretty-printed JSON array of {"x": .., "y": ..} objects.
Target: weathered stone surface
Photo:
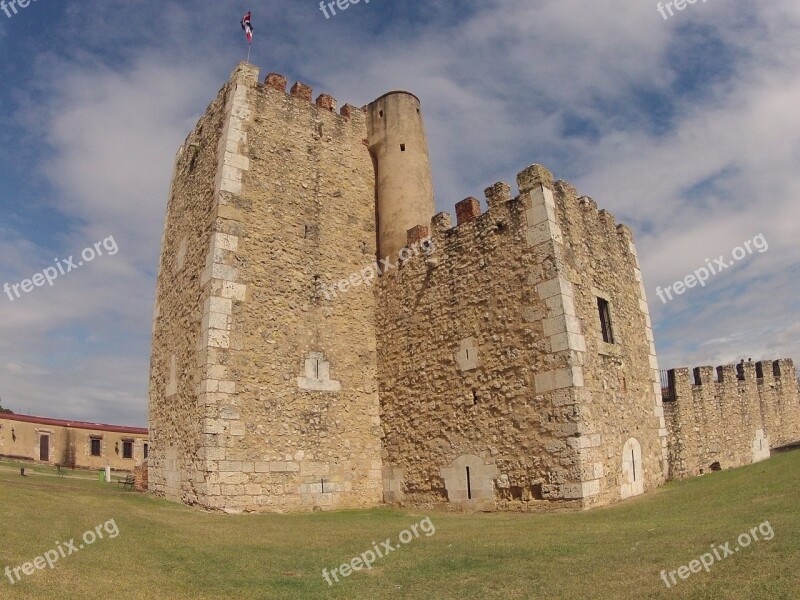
[
  {"x": 524, "y": 307},
  {"x": 505, "y": 363},
  {"x": 275, "y": 198},
  {"x": 730, "y": 416}
]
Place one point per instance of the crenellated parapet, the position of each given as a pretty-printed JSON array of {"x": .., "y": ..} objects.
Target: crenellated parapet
[
  {"x": 471, "y": 218},
  {"x": 763, "y": 372},
  {"x": 730, "y": 415},
  {"x": 571, "y": 212},
  {"x": 304, "y": 93}
]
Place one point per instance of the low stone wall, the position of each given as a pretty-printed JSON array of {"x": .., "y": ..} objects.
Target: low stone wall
[{"x": 140, "y": 477}]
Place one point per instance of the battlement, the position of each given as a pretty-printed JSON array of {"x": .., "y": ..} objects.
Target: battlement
[
  {"x": 469, "y": 213},
  {"x": 248, "y": 73},
  {"x": 302, "y": 91},
  {"x": 729, "y": 415},
  {"x": 583, "y": 218},
  {"x": 762, "y": 372},
  {"x": 502, "y": 204}
]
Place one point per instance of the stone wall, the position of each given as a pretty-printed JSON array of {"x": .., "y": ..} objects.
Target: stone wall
[
  {"x": 140, "y": 475},
  {"x": 69, "y": 443},
  {"x": 178, "y": 361},
  {"x": 620, "y": 402},
  {"x": 484, "y": 348},
  {"x": 284, "y": 400},
  {"x": 731, "y": 416}
]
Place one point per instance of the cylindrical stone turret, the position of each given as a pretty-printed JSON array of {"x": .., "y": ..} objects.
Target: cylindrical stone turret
[{"x": 403, "y": 182}]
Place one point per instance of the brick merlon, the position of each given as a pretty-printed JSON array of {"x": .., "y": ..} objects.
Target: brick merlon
[
  {"x": 301, "y": 90},
  {"x": 415, "y": 234},
  {"x": 467, "y": 210},
  {"x": 326, "y": 102},
  {"x": 276, "y": 81}
]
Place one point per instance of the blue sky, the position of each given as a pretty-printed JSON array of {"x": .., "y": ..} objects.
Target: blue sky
[{"x": 687, "y": 129}]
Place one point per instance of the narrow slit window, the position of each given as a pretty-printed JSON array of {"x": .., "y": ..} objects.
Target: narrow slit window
[
  {"x": 469, "y": 486},
  {"x": 633, "y": 462},
  {"x": 605, "y": 320}
]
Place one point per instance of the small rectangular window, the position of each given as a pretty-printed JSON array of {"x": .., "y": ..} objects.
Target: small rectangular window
[
  {"x": 605, "y": 320},
  {"x": 96, "y": 446},
  {"x": 402, "y": 147},
  {"x": 146, "y": 450},
  {"x": 127, "y": 449}
]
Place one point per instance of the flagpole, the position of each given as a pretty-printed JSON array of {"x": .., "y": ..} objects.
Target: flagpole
[{"x": 248, "y": 29}]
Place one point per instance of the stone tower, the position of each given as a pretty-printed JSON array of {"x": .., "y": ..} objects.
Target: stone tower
[
  {"x": 516, "y": 364},
  {"x": 259, "y": 399},
  {"x": 287, "y": 376},
  {"x": 508, "y": 365},
  {"x": 404, "y": 187}
]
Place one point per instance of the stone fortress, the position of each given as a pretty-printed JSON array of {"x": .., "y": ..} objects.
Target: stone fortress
[{"x": 506, "y": 362}]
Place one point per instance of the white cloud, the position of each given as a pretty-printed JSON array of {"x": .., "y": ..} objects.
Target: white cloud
[{"x": 498, "y": 80}]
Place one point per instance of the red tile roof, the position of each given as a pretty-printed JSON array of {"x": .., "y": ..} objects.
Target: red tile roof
[{"x": 74, "y": 424}]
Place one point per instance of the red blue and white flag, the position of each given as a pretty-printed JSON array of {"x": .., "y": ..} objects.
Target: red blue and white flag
[{"x": 248, "y": 28}]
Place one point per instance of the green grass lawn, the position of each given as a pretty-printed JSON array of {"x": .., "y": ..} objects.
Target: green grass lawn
[
  {"x": 168, "y": 551},
  {"x": 32, "y": 468}
]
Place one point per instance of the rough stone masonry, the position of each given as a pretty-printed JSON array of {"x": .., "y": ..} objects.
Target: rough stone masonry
[{"x": 512, "y": 367}]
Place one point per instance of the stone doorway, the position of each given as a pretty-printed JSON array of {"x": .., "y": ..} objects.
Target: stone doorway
[
  {"x": 632, "y": 471},
  {"x": 760, "y": 446},
  {"x": 469, "y": 480},
  {"x": 44, "y": 448}
]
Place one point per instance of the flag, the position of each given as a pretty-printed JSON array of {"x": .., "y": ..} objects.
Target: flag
[{"x": 248, "y": 28}]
